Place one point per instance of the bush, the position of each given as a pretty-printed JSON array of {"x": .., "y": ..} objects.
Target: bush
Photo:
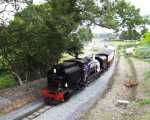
[
  {"x": 143, "y": 51},
  {"x": 7, "y": 80},
  {"x": 146, "y": 38}
]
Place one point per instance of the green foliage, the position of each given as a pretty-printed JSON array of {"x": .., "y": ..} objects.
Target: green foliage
[
  {"x": 146, "y": 83},
  {"x": 40, "y": 34},
  {"x": 147, "y": 75},
  {"x": 130, "y": 35},
  {"x": 77, "y": 40},
  {"x": 7, "y": 80},
  {"x": 129, "y": 15},
  {"x": 146, "y": 38},
  {"x": 143, "y": 51},
  {"x": 35, "y": 41},
  {"x": 144, "y": 102}
]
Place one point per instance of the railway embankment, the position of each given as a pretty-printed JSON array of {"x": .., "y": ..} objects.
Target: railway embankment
[
  {"x": 81, "y": 102},
  {"x": 75, "y": 107},
  {"x": 21, "y": 97},
  {"x": 21, "y": 101}
]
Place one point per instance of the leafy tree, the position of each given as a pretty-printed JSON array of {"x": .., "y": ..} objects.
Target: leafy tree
[
  {"x": 134, "y": 35},
  {"x": 129, "y": 17},
  {"x": 39, "y": 34},
  {"x": 77, "y": 40},
  {"x": 37, "y": 37}
]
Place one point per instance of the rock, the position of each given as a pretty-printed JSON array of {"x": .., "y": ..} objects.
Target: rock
[
  {"x": 130, "y": 51},
  {"x": 123, "y": 103},
  {"x": 131, "y": 83}
]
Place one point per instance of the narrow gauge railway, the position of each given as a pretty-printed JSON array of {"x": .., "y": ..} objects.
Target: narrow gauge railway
[{"x": 66, "y": 79}]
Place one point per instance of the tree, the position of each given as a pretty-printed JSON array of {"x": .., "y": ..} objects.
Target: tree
[
  {"x": 8, "y": 8},
  {"x": 40, "y": 34},
  {"x": 134, "y": 35},
  {"x": 37, "y": 37},
  {"x": 77, "y": 40},
  {"x": 129, "y": 17}
]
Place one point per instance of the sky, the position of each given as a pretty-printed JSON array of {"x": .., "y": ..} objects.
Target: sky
[{"x": 144, "y": 6}]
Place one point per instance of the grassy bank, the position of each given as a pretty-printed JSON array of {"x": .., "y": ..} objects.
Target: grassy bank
[
  {"x": 7, "y": 80},
  {"x": 145, "y": 102},
  {"x": 140, "y": 51}
]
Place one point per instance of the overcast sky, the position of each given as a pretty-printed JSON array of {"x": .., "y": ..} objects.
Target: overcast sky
[{"x": 144, "y": 6}]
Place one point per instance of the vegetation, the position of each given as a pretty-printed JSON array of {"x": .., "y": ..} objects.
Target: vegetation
[
  {"x": 130, "y": 35},
  {"x": 40, "y": 35},
  {"x": 143, "y": 51},
  {"x": 144, "y": 102},
  {"x": 146, "y": 38},
  {"x": 146, "y": 83},
  {"x": 7, "y": 80},
  {"x": 146, "y": 116}
]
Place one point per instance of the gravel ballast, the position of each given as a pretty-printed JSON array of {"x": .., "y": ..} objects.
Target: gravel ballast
[{"x": 81, "y": 102}]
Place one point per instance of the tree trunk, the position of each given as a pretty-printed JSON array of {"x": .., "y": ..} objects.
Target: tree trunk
[{"x": 19, "y": 78}]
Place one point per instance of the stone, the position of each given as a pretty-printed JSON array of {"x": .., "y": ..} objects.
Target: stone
[
  {"x": 123, "y": 103},
  {"x": 31, "y": 116},
  {"x": 36, "y": 113},
  {"x": 25, "y": 119}
]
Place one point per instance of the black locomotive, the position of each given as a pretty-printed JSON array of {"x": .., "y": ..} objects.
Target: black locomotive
[{"x": 73, "y": 75}]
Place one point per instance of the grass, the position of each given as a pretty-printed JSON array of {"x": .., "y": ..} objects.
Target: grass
[
  {"x": 125, "y": 43},
  {"x": 144, "y": 102},
  {"x": 146, "y": 116},
  {"x": 145, "y": 86},
  {"x": 143, "y": 51},
  {"x": 7, "y": 80}
]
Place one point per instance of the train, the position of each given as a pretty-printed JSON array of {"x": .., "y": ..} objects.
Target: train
[{"x": 63, "y": 80}]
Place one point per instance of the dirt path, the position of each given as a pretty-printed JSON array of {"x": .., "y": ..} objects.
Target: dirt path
[{"x": 107, "y": 108}]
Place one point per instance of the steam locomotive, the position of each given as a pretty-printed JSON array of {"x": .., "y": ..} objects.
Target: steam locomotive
[{"x": 73, "y": 75}]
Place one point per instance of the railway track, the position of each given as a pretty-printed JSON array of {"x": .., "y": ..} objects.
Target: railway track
[
  {"x": 36, "y": 113},
  {"x": 45, "y": 108}
]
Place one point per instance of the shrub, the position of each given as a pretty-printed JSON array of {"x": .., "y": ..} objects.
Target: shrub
[
  {"x": 146, "y": 38},
  {"x": 143, "y": 51},
  {"x": 7, "y": 80}
]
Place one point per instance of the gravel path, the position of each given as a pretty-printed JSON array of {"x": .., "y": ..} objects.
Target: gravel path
[{"x": 106, "y": 108}]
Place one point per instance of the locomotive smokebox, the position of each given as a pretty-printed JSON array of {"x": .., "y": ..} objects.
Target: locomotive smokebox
[{"x": 64, "y": 76}]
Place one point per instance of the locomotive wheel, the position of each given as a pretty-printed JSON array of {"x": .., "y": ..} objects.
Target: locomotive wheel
[
  {"x": 67, "y": 96},
  {"x": 48, "y": 101}
]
